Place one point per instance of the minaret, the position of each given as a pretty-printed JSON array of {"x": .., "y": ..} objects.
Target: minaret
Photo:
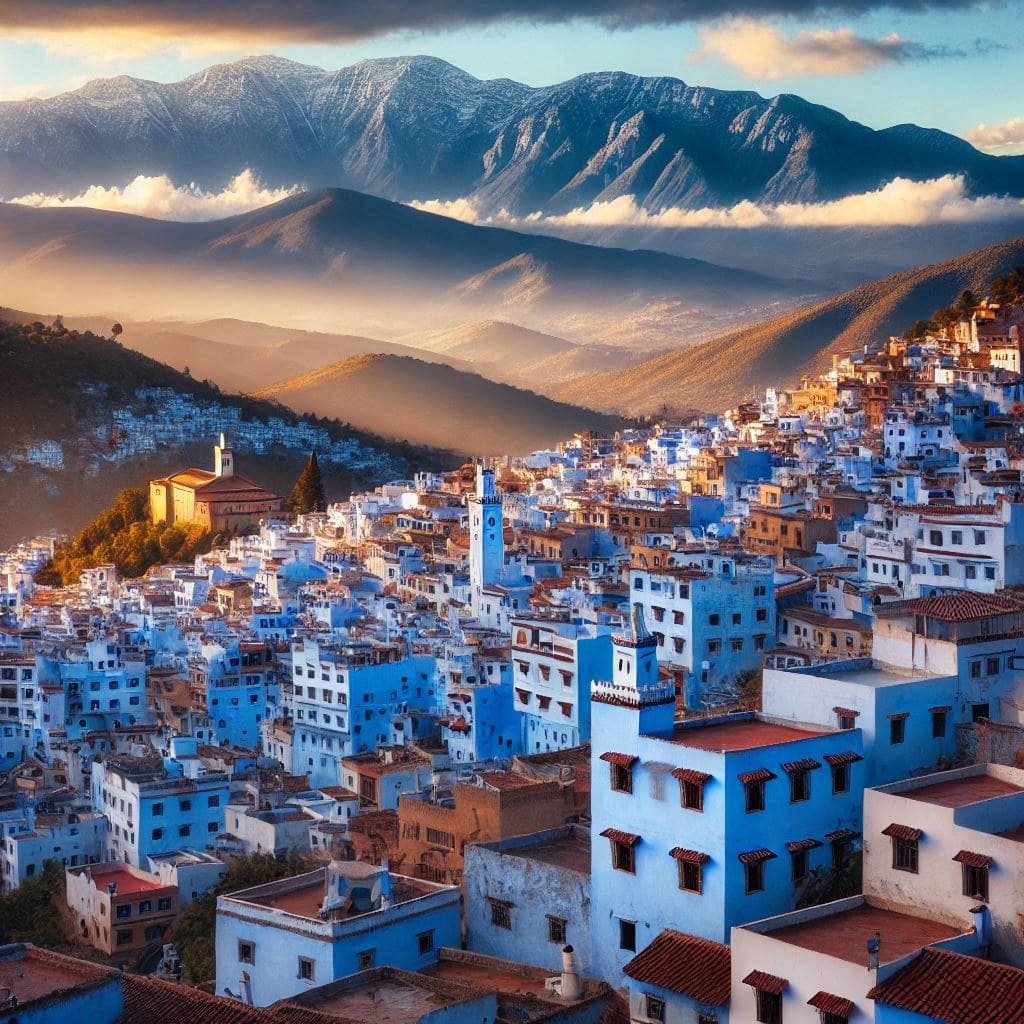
[
  {"x": 223, "y": 458},
  {"x": 635, "y": 686},
  {"x": 486, "y": 536}
]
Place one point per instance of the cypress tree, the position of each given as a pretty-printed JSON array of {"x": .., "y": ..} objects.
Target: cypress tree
[{"x": 308, "y": 493}]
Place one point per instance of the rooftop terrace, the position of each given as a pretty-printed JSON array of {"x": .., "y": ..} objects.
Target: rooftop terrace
[
  {"x": 960, "y": 792},
  {"x": 743, "y": 734}
]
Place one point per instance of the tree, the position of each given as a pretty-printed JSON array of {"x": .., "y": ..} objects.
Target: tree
[
  {"x": 966, "y": 303},
  {"x": 308, "y": 493}
]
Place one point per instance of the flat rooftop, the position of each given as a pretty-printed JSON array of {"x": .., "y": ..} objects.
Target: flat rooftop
[
  {"x": 571, "y": 851},
  {"x": 878, "y": 675},
  {"x": 971, "y": 789},
  {"x": 128, "y": 883},
  {"x": 747, "y": 734},
  {"x": 844, "y": 935},
  {"x": 381, "y": 1001},
  {"x": 33, "y": 974}
]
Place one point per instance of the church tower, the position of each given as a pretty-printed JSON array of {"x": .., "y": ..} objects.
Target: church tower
[
  {"x": 486, "y": 536},
  {"x": 223, "y": 458}
]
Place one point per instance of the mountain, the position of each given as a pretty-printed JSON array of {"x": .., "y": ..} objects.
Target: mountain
[
  {"x": 433, "y": 404},
  {"x": 346, "y": 256},
  {"x": 417, "y": 127},
  {"x": 726, "y": 370}
]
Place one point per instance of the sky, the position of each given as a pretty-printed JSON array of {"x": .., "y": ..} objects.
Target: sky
[{"x": 943, "y": 64}]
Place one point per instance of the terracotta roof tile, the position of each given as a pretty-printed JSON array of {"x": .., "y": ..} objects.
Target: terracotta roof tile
[
  {"x": 691, "y": 775},
  {"x": 622, "y": 760},
  {"x": 965, "y": 606},
  {"x": 805, "y": 764},
  {"x": 691, "y": 966},
  {"x": 907, "y": 832},
  {"x": 803, "y": 844},
  {"x": 847, "y": 712},
  {"x": 973, "y": 860},
  {"x": 617, "y": 836},
  {"x": 149, "y": 1000},
  {"x": 840, "y": 833},
  {"x": 756, "y": 856},
  {"x": 757, "y": 775},
  {"x": 766, "y": 982},
  {"x": 846, "y": 757},
  {"x": 825, "y": 1002},
  {"x": 690, "y": 856},
  {"x": 956, "y": 989}
]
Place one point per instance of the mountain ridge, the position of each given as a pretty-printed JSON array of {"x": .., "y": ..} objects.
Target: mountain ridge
[{"x": 417, "y": 127}]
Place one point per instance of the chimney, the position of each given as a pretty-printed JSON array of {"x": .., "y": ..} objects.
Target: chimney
[
  {"x": 874, "y": 946},
  {"x": 570, "y": 989}
]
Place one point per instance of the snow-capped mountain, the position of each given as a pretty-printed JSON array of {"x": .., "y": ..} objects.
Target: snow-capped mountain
[{"x": 417, "y": 127}]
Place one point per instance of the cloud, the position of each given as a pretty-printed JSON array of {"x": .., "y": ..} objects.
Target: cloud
[
  {"x": 762, "y": 52},
  {"x": 229, "y": 22},
  {"x": 160, "y": 198},
  {"x": 1002, "y": 139},
  {"x": 899, "y": 203}
]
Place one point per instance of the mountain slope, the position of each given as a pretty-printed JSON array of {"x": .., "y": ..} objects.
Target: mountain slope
[
  {"x": 729, "y": 369},
  {"x": 428, "y": 403},
  {"x": 350, "y": 256},
  {"x": 417, "y": 127}
]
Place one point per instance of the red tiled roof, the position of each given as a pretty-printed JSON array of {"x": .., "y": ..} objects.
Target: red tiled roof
[
  {"x": 622, "y": 760},
  {"x": 840, "y": 833},
  {"x": 805, "y": 764},
  {"x": 691, "y": 775},
  {"x": 973, "y": 860},
  {"x": 691, "y": 966},
  {"x": 617, "y": 836},
  {"x": 149, "y": 1000},
  {"x": 757, "y": 775},
  {"x": 846, "y": 757},
  {"x": 828, "y": 1003},
  {"x": 756, "y": 856},
  {"x": 766, "y": 982},
  {"x": 803, "y": 844},
  {"x": 907, "y": 832},
  {"x": 956, "y": 989},
  {"x": 690, "y": 856},
  {"x": 965, "y": 606}
]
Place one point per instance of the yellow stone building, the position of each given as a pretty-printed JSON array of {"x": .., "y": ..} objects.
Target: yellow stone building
[{"x": 221, "y": 500}]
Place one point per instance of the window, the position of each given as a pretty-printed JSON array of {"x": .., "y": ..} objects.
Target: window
[
  {"x": 154, "y": 932},
  {"x": 158, "y": 833},
  {"x": 975, "y": 879},
  {"x": 124, "y": 937},
  {"x": 306, "y": 969},
  {"x": 213, "y": 801},
  {"x": 654, "y": 1008},
  {"x": 366, "y": 958},
  {"x": 897, "y": 730},
  {"x": 956, "y": 537},
  {"x": 762, "y": 615},
  {"x": 904, "y": 854},
  {"x": 938, "y": 723},
  {"x": 978, "y": 712},
  {"x": 754, "y": 876},
  {"x": 842, "y": 851},
  {"x": 713, "y": 619},
  {"x": 125, "y": 910},
  {"x": 622, "y": 779},
  {"x": 156, "y": 810},
  {"x": 691, "y": 795},
  {"x": 246, "y": 952},
  {"x": 799, "y": 787},
  {"x": 991, "y": 666},
  {"x": 845, "y": 718},
  {"x": 622, "y": 857},
  {"x": 425, "y": 943},
  {"x": 145, "y": 906},
  {"x": 840, "y": 778},
  {"x": 691, "y": 876},
  {"x": 754, "y": 796},
  {"x": 186, "y": 805},
  {"x": 501, "y": 914},
  {"x": 557, "y": 929},
  {"x": 980, "y": 537},
  {"x": 769, "y": 1006},
  {"x": 627, "y": 935},
  {"x": 184, "y": 830},
  {"x": 800, "y": 864},
  {"x": 164, "y": 903}
]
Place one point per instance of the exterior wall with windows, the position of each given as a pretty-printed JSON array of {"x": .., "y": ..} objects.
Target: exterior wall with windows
[
  {"x": 28, "y": 843},
  {"x": 985, "y": 832},
  {"x": 528, "y": 897},
  {"x": 720, "y": 846},
  {"x": 274, "y": 936}
]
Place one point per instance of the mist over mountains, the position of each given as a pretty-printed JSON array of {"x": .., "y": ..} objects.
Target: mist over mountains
[{"x": 418, "y": 127}]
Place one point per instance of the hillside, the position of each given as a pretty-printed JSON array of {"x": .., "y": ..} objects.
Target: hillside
[
  {"x": 729, "y": 369},
  {"x": 417, "y": 127},
  {"x": 435, "y": 405},
  {"x": 355, "y": 259},
  {"x": 63, "y": 386}
]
